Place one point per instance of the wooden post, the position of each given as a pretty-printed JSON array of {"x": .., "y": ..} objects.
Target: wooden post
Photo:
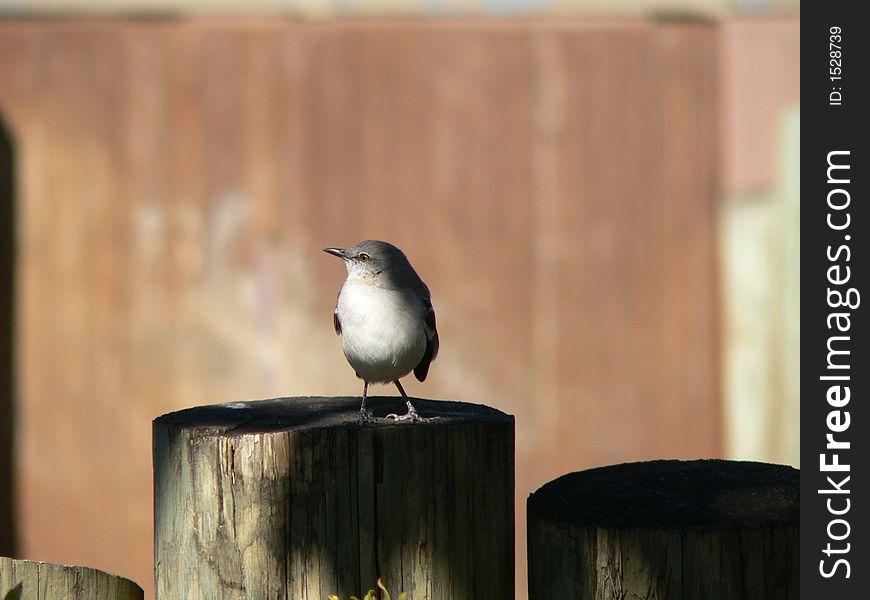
[
  {"x": 291, "y": 498},
  {"x": 32, "y": 580},
  {"x": 666, "y": 529}
]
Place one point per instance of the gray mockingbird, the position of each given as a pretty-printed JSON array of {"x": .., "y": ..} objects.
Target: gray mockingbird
[{"x": 385, "y": 318}]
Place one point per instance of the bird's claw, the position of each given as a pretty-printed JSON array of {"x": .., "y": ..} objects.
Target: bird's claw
[
  {"x": 410, "y": 416},
  {"x": 364, "y": 417}
]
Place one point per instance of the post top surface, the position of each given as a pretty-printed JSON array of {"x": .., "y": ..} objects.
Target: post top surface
[
  {"x": 697, "y": 494},
  {"x": 315, "y": 412},
  {"x": 20, "y": 569}
]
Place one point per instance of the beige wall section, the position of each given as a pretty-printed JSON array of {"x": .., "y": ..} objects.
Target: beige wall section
[
  {"x": 760, "y": 253},
  {"x": 759, "y": 228},
  {"x": 555, "y": 186}
]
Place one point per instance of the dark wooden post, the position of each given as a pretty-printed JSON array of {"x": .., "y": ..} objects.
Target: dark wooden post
[
  {"x": 32, "y": 580},
  {"x": 666, "y": 529},
  {"x": 291, "y": 498}
]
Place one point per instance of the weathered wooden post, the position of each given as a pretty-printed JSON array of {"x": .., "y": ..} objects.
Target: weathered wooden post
[
  {"x": 292, "y": 498},
  {"x": 666, "y": 529},
  {"x": 32, "y": 580}
]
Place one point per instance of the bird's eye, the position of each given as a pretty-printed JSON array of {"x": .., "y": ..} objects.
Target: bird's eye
[{"x": 364, "y": 257}]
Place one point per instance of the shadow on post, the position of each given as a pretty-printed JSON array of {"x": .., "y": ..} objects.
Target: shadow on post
[
  {"x": 8, "y": 542},
  {"x": 667, "y": 529}
]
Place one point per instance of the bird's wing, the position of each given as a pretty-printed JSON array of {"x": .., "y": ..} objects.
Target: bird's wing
[
  {"x": 422, "y": 369},
  {"x": 336, "y": 323}
]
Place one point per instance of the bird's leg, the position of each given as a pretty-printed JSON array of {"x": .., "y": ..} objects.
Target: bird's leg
[
  {"x": 412, "y": 413},
  {"x": 364, "y": 416}
]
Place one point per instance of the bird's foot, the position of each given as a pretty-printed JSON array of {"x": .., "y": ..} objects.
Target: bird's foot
[
  {"x": 411, "y": 415},
  {"x": 365, "y": 416}
]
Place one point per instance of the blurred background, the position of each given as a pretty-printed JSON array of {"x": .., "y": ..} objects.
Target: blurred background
[{"x": 602, "y": 196}]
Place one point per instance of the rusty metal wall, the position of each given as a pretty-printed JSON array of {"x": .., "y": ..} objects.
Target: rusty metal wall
[
  {"x": 553, "y": 181},
  {"x": 319, "y": 9}
]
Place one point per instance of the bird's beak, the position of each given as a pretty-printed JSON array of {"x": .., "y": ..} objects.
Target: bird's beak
[{"x": 339, "y": 252}]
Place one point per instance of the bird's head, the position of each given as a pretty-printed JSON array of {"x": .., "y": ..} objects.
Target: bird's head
[{"x": 370, "y": 259}]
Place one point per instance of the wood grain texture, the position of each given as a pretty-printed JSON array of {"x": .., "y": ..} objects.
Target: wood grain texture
[
  {"x": 291, "y": 498},
  {"x": 667, "y": 529},
  {"x": 32, "y": 580}
]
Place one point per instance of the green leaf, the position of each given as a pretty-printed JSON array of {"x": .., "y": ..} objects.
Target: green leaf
[{"x": 386, "y": 593}]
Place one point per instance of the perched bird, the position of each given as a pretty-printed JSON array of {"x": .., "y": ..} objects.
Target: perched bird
[{"x": 385, "y": 318}]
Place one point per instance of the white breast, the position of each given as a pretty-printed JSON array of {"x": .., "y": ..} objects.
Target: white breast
[{"x": 382, "y": 330}]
